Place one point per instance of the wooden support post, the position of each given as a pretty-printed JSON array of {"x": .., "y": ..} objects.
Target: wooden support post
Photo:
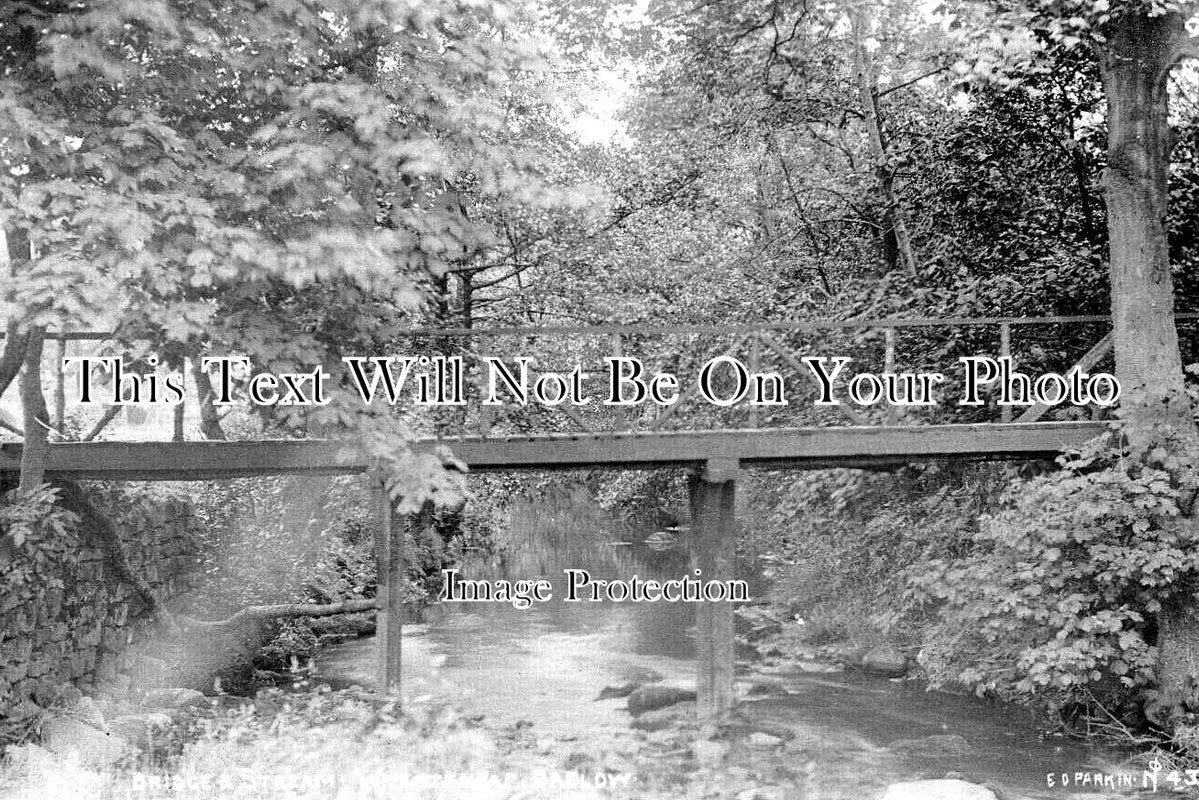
[
  {"x": 389, "y": 618},
  {"x": 712, "y": 517},
  {"x": 755, "y": 364},
  {"x": 889, "y": 366},
  {"x": 486, "y": 413},
  {"x": 1005, "y": 351}
]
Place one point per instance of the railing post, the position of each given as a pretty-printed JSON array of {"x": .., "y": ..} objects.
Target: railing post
[
  {"x": 889, "y": 366},
  {"x": 486, "y": 414},
  {"x": 712, "y": 520},
  {"x": 1005, "y": 351},
  {"x": 624, "y": 421},
  {"x": 755, "y": 357}
]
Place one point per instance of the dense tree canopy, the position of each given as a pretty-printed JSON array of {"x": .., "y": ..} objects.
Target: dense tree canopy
[{"x": 285, "y": 180}]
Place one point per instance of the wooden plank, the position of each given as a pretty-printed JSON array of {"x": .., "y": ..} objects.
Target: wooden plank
[
  {"x": 1089, "y": 360},
  {"x": 889, "y": 366},
  {"x": 750, "y": 327},
  {"x": 693, "y": 389},
  {"x": 712, "y": 517},
  {"x": 755, "y": 366},
  {"x": 793, "y": 447},
  {"x": 195, "y": 460},
  {"x": 389, "y": 619},
  {"x": 790, "y": 359},
  {"x": 1005, "y": 351}
]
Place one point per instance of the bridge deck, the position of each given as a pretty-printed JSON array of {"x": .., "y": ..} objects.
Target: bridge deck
[{"x": 804, "y": 448}]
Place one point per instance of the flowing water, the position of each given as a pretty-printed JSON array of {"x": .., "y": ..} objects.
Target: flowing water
[{"x": 546, "y": 665}]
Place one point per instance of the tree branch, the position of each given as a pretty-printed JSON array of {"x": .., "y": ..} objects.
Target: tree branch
[
  {"x": 8, "y": 426},
  {"x": 907, "y": 83},
  {"x": 516, "y": 270},
  {"x": 110, "y": 414},
  {"x": 94, "y": 522}
]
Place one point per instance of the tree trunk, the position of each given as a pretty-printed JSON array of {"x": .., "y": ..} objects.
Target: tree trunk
[
  {"x": 210, "y": 421},
  {"x": 896, "y": 244},
  {"x": 60, "y": 389},
  {"x": 37, "y": 419},
  {"x": 13, "y": 355},
  {"x": 95, "y": 524},
  {"x": 1135, "y": 63}
]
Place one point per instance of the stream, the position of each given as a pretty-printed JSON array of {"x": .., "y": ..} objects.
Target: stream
[{"x": 855, "y": 733}]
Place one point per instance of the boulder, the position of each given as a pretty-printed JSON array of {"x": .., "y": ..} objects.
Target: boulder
[
  {"x": 763, "y": 740},
  {"x": 86, "y": 710},
  {"x": 140, "y": 730},
  {"x": 632, "y": 677},
  {"x": 885, "y": 660},
  {"x": 758, "y": 734},
  {"x": 944, "y": 789},
  {"x": 70, "y": 695},
  {"x": 96, "y": 747},
  {"x": 650, "y": 698},
  {"x": 174, "y": 698},
  {"x": 617, "y": 690},
  {"x": 709, "y": 753},
  {"x": 663, "y": 718}
]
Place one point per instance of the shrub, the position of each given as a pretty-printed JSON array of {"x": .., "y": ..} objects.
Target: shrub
[{"x": 1056, "y": 602}]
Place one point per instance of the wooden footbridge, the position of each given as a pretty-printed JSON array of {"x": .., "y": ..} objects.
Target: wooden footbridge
[{"x": 716, "y": 443}]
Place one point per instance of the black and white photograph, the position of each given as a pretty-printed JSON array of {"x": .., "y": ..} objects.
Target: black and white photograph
[{"x": 599, "y": 399}]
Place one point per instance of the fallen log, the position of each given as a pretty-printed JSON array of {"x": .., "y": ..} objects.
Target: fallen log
[{"x": 279, "y": 611}]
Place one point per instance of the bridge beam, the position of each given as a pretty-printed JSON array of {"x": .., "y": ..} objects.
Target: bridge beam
[
  {"x": 712, "y": 519},
  {"x": 799, "y": 448}
]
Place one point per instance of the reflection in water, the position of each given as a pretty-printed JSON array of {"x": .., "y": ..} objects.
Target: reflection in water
[
  {"x": 544, "y": 539},
  {"x": 547, "y": 664}
]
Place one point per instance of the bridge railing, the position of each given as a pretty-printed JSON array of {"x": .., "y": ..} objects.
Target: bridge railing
[
  {"x": 780, "y": 352},
  {"x": 878, "y": 346}
]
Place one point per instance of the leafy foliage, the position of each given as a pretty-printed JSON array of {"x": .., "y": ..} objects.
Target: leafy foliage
[
  {"x": 1059, "y": 594},
  {"x": 38, "y": 542},
  {"x": 284, "y": 180},
  {"x": 840, "y": 543}
]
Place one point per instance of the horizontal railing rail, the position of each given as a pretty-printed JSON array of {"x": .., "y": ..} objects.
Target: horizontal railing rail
[
  {"x": 658, "y": 329},
  {"x": 881, "y": 346}
]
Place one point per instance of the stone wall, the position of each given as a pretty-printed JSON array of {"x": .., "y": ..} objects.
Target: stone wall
[{"x": 76, "y": 624}]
